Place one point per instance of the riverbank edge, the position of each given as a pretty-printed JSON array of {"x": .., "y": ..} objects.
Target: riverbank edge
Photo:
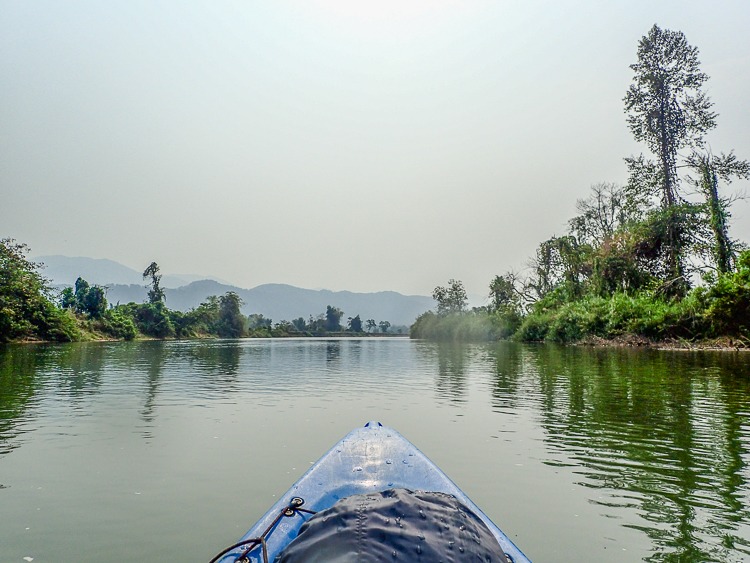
[
  {"x": 94, "y": 337},
  {"x": 720, "y": 344}
]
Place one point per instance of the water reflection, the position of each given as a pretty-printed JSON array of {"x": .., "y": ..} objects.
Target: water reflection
[
  {"x": 221, "y": 359},
  {"x": 662, "y": 433},
  {"x": 333, "y": 353},
  {"x": 451, "y": 362},
  {"x": 657, "y": 440},
  {"x": 153, "y": 364},
  {"x": 18, "y": 387}
]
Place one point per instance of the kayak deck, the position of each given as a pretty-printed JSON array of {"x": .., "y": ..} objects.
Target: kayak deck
[{"x": 368, "y": 459}]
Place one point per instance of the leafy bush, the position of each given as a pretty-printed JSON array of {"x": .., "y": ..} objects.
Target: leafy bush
[
  {"x": 728, "y": 301},
  {"x": 151, "y": 319},
  {"x": 118, "y": 325}
]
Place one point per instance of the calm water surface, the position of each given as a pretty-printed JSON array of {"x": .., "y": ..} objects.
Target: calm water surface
[{"x": 148, "y": 451}]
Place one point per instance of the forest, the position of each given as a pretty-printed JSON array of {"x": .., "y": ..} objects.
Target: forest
[{"x": 651, "y": 259}]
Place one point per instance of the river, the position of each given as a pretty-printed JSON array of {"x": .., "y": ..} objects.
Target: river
[{"x": 145, "y": 451}]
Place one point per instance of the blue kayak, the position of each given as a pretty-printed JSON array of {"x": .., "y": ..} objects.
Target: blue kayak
[{"x": 374, "y": 496}]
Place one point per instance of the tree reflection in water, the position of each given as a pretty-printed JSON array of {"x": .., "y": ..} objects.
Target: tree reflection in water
[{"x": 662, "y": 433}]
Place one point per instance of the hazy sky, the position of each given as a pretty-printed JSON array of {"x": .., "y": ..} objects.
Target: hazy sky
[{"x": 360, "y": 145}]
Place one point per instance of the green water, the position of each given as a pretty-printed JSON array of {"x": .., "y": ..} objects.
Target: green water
[{"x": 150, "y": 451}]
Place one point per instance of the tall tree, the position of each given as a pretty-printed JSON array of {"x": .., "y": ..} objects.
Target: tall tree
[
  {"x": 231, "y": 322},
  {"x": 710, "y": 169},
  {"x": 355, "y": 324},
  {"x": 155, "y": 293},
  {"x": 668, "y": 111},
  {"x": 333, "y": 319}
]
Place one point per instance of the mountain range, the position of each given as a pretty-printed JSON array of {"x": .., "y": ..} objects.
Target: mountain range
[{"x": 275, "y": 301}]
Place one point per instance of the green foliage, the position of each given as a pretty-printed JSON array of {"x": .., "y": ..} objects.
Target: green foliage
[
  {"x": 151, "y": 319},
  {"x": 85, "y": 299},
  {"x": 231, "y": 322},
  {"x": 668, "y": 112},
  {"x": 459, "y": 327},
  {"x": 56, "y": 324},
  {"x": 728, "y": 301},
  {"x": 333, "y": 319},
  {"x": 505, "y": 322},
  {"x": 645, "y": 314},
  {"x": 256, "y": 321},
  {"x": 26, "y": 310},
  {"x": 451, "y": 299},
  {"x": 117, "y": 324},
  {"x": 155, "y": 292},
  {"x": 355, "y": 324}
]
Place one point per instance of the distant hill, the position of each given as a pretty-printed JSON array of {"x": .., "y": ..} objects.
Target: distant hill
[
  {"x": 64, "y": 270},
  {"x": 274, "y": 301}
]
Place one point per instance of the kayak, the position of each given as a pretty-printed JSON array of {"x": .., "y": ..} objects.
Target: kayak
[{"x": 373, "y": 497}]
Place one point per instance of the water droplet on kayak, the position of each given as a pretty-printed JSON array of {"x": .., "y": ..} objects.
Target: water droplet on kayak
[
  {"x": 451, "y": 544},
  {"x": 357, "y": 469},
  {"x": 388, "y": 461},
  {"x": 422, "y": 515},
  {"x": 461, "y": 549},
  {"x": 419, "y": 548}
]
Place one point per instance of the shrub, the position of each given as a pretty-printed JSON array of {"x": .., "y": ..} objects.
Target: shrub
[{"x": 118, "y": 325}]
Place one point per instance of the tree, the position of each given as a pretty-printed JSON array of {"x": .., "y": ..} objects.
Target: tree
[
  {"x": 355, "y": 324},
  {"x": 333, "y": 319},
  {"x": 608, "y": 209},
  {"x": 371, "y": 325},
  {"x": 257, "y": 320},
  {"x": 231, "y": 322},
  {"x": 451, "y": 299},
  {"x": 85, "y": 299},
  {"x": 384, "y": 326},
  {"x": 155, "y": 293},
  {"x": 505, "y": 296},
  {"x": 668, "y": 112},
  {"x": 560, "y": 262},
  {"x": 26, "y": 310},
  {"x": 709, "y": 170}
]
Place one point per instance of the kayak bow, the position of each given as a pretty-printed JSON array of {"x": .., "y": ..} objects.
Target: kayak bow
[{"x": 368, "y": 460}]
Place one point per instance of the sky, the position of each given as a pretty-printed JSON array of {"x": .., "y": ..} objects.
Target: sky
[{"x": 337, "y": 144}]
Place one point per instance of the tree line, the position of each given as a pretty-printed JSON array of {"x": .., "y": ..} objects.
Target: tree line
[
  {"x": 30, "y": 309},
  {"x": 653, "y": 257}
]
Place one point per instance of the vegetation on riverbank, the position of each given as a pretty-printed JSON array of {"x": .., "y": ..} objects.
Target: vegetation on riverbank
[
  {"x": 651, "y": 259},
  {"x": 31, "y": 310}
]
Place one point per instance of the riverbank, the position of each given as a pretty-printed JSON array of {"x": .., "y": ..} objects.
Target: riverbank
[{"x": 722, "y": 344}]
